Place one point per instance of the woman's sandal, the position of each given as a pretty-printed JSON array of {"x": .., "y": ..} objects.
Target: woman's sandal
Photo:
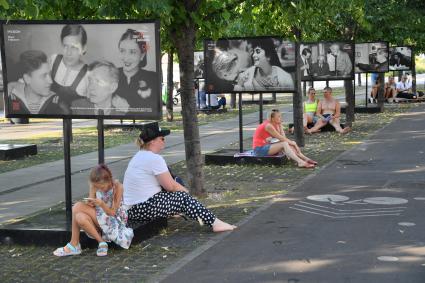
[
  {"x": 102, "y": 249},
  {"x": 72, "y": 250}
]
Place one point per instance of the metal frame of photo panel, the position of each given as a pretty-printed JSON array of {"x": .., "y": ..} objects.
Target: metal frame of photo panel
[
  {"x": 371, "y": 42},
  {"x": 411, "y": 58},
  {"x": 130, "y": 116},
  {"x": 203, "y": 53},
  {"x": 218, "y": 91},
  {"x": 332, "y": 78}
]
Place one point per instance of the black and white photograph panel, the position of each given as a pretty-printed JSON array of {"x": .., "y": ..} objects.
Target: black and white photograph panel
[
  {"x": 371, "y": 57},
  {"x": 82, "y": 70},
  {"x": 199, "y": 64},
  {"x": 262, "y": 64},
  {"x": 400, "y": 58},
  {"x": 326, "y": 61}
]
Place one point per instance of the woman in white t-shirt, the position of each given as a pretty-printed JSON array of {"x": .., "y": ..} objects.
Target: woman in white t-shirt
[{"x": 151, "y": 192}]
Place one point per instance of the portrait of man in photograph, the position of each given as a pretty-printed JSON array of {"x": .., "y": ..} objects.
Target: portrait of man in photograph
[
  {"x": 371, "y": 57},
  {"x": 400, "y": 58},
  {"x": 325, "y": 61}
]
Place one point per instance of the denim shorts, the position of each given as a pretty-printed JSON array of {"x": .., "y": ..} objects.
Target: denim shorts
[{"x": 262, "y": 150}]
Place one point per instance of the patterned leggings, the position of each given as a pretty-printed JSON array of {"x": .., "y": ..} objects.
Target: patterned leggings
[{"x": 165, "y": 204}]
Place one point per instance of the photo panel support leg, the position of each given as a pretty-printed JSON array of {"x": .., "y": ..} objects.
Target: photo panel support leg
[
  {"x": 100, "y": 141},
  {"x": 240, "y": 124},
  {"x": 366, "y": 88},
  {"x": 261, "y": 108},
  {"x": 67, "y": 126}
]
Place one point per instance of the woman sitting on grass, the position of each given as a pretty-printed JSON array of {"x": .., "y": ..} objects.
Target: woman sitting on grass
[
  {"x": 272, "y": 129},
  {"x": 150, "y": 191}
]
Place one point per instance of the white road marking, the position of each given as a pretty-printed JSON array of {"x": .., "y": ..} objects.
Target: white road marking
[
  {"x": 406, "y": 224},
  {"x": 328, "y": 198},
  {"x": 346, "y": 216},
  {"x": 357, "y": 209},
  {"x": 385, "y": 200},
  {"x": 388, "y": 258},
  {"x": 352, "y": 212}
]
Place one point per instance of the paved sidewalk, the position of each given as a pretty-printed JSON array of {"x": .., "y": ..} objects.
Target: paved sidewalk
[
  {"x": 28, "y": 190},
  {"x": 358, "y": 220}
]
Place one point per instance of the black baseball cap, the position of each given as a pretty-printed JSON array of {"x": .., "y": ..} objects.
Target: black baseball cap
[{"x": 152, "y": 131}]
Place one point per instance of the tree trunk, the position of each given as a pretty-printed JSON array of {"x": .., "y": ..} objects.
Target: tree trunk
[
  {"x": 170, "y": 88},
  {"x": 297, "y": 101},
  {"x": 233, "y": 100},
  {"x": 304, "y": 88},
  {"x": 185, "y": 42},
  {"x": 350, "y": 99},
  {"x": 381, "y": 77},
  {"x": 359, "y": 79}
]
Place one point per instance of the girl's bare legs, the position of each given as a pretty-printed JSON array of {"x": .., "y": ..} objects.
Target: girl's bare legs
[
  {"x": 306, "y": 120},
  {"x": 336, "y": 124},
  {"x": 83, "y": 217},
  {"x": 289, "y": 151},
  {"x": 299, "y": 153},
  {"x": 319, "y": 124},
  {"x": 374, "y": 92}
]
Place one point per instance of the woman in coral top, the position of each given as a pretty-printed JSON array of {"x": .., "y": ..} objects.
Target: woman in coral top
[{"x": 270, "y": 131}]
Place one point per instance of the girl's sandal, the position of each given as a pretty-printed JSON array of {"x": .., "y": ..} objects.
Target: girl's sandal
[
  {"x": 71, "y": 250},
  {"x": 102, "y": 250}
]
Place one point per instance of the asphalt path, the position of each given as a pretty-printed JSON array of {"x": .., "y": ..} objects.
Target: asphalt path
[{"x": 359, "y": 219}]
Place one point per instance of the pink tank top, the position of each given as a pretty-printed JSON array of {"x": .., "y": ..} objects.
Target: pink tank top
[{"x": 260, "y": 135}]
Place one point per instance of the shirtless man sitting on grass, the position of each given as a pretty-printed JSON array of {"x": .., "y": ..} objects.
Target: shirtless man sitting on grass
[{"x": 328, "y": 111}]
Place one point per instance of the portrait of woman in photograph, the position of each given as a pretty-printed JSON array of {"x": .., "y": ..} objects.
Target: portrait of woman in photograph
[
  {"x": 69, "y": 71},
  {"x": 266, "y": 72},
  {"x": 136, "y": 85}
]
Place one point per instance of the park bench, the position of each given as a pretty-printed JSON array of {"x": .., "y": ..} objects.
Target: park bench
[
  {"x": 14, "y": 151},
  {"x": 54, "y": 231},
  {"x": 209, "y": 111}
]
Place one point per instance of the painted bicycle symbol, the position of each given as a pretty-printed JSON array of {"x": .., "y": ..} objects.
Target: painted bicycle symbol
[{"x": 381, "y": 206}]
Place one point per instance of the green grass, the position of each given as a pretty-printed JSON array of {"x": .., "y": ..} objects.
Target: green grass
[
  {"x": 50, "y": 145},
  {"x": 50, "y": 148}
]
